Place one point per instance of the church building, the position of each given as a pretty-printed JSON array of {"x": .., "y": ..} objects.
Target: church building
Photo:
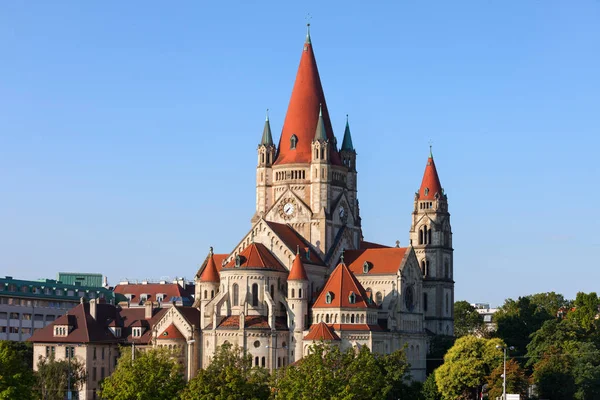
[{"x": 304, "y": 273}]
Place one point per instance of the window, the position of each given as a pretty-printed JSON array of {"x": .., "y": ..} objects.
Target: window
[
  {"x": 69, "y": 352},
  {"x": 206, "y": 294},
  {"x": 365, "y": 267},
  {"x": 328, "y": 297},
  {"x": 27, "y": 317},
  {"x": 212, "y": 294},
  {"x": 293, "y": 141},
  {"x": 352, "y": 298},
  {"x": 103, "y": 353},
  {"x": 101, "y": 373},
  {"x": 420, "y": 236},
  {"x": 425, "y": 235},
  {"x": 379, "y": 298},
  {"x": 263, "y": 362},
  {"x": 94, "y": 355},
  {"x": 293, "y": 293},
  {"x": 424, "y": 301},
  {"x": 299, "y": 293},
  {"x": 257, "y": 344},
  {"x": 254, "y": 295},
  {"x": 236, "y": 294},
  {"x": 137, "y": 332},
  {"x": 256, "y": 361},
  {"x": 3, "y": 315},
  {"x": 49, "y": 318},
  {"x": 14, "y": 315},
  {"x": 94, "y": 374}
]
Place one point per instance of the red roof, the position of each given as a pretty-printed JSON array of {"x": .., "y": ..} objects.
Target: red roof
[
  {"x": 371, "y": 245},
  {"x": 210, "y": 273},
  {"x": 321, "y": 331},
  {"x": 431, "y": 182},
  {"x": 294, "y": 240},
  {"x": 380, "y": 260},
  {"x": 171, "y": 333},
  {"x": 219, "y": 258},
  {"x": 303, "y": 113},
  {"x": 257, "y": 256},
  {"x": 170, "y": 290},
  {"x": 251, "y": 322},
  {"x": 297, "y": 273},
  {"x": 357, "y": 327},
  {"x": 341, "y": 283}
]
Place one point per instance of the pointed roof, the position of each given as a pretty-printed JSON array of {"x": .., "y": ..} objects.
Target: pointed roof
[
  {"x": 210, "y": 273},
  {"x": 347, "y": 142},
  {"x": 320, "y": 133},
  {"x": 303, "y": 113},
  {"x": 340, "y": 284},
  {"x": 267, "y": 138},
  {"x": 380, "y": 261},
  {"x": 321, "y": 331},
  {"x": 431, "y": 182},
  {"x": 171, "y": 333},
  {"x": 297, "y": 272},
  {"x": 256, "y": 256}
]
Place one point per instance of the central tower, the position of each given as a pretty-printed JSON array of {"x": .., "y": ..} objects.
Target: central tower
[{"x": 306, "y": 181}]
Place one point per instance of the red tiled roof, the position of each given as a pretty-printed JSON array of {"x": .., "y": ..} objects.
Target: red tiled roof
[
  {"x": 431, "y": 182},
  {"x": 303, "y": 113},
  {"x": 321, "y": 331},
  {"x": 297, "y": 272},
  {"x": 293, "y": 240},
  {"x": 219, "y": 258},
  {"x": 357, "y": 327},
  {"x": 210, "y": 273},
  {"x": 256, "y": 256},
  {"x": 380, "y": 260},
  {"x": 341, "y": 283},
  {"x": 171, "y": 333},
  {"x": 151, "y": 289},
  {"x": 251, "y": 322}
]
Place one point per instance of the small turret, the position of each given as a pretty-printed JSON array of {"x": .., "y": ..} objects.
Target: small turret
[
  {"x": 320, "y": 143},
  {"x": 266, "y": 148},
  {"x": 298, "y": 301},
  {"x": 347, "y": 151},
  {"x": 209, "y": 282}
]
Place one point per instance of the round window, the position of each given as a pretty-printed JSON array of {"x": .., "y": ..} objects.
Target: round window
[{"x": 257, "y": 344}]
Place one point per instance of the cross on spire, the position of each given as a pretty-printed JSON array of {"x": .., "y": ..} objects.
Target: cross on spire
[
  {"x": 342, "y": 257},
  {"x": 308, "y": 18},
  {"x": 430, "y": 148}
]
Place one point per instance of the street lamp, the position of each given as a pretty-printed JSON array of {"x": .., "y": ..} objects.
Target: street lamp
[{"x": 504, "y": 348}]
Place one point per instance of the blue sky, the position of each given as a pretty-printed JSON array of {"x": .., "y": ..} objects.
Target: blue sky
[{"x": 128, "y": 130}]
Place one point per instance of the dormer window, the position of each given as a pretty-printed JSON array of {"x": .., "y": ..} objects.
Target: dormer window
[
  {"x": 293, "y": 141},
  {"x": 426, "y": 191},
  {"x": 238, "y": 261},
  {"x": 61, "y": 330},
  {"x": 352, "y": 298},
  {"x": 328, "y": 297},
  {"x": 365, "y": 267},
  {"x": 160, "y": 297},
  {"x": 116, "y": 331},
  {"x": 144, "y": 298},
  {"x": 136, "y": 332}
]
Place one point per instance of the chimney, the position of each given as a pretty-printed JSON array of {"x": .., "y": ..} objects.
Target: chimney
[
  {"x": 93, "y": 308},
  {"x": 148, "y": 308}
]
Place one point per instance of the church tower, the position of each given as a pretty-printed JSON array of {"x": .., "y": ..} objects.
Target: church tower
[
  {"x": 305, "y": 181},
  {"x": 431, "y": 237}
]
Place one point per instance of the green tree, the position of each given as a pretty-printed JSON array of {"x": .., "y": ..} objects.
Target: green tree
[
  {"x": 516, "y": 380},
  {"x": 466, "y": 367},
  {"x": 586, "y": 310},
  {"x": 154, "y": 374},
  {"x": 553, "y": 376},
  {"x": 467, "y": 320},
  {"x": 229, "y": 376},
  {"x": 16, "y": 373},
  {"x": 53, "y": 377},
  {"x": 396, "y": 372},
  {"x": 430, "y": 390},
  {"x": 438, "y": 347},
  {"x": 549, "y": 302}
]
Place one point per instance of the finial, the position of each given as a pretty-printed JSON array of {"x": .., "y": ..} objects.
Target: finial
[
  {"x": 342, "y": 257},
  {"x": 346, "y": 119},
  {"x": 252, "y": 236},
  {"x": 210, "y": 251},
  {"x": 267, "y": 115},
  {"x": 308, "y": 18},
  {"x": 430, "y": 148},
  {"x": 297, "y": 249},
  {"x": 397, "y": 243},
  {"x": 320, "y": 109}
]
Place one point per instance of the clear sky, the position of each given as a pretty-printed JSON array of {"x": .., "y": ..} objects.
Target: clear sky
[{"x": 128, "y": 130}]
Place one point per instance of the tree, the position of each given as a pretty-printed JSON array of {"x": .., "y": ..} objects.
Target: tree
[
  {"x": 154, "y": 374},
  {"x": 430, "y": 390},
  {"x": 516, "y": 380},
  {"x": 586, "y": 310},
  {"x": 229, "y": 376},
  {"x": 16, "y": 374},
  {"x": 549, "y": 302},
  {"x": 467, "y": 320},
  {"x": 466, "y": 367},
  {"x": 438, "y": 347},
  {"x": 552, "y": 375},
  {"x": 53, "y": 377}
]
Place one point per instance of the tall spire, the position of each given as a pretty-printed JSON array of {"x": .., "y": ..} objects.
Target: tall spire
[
  {"x": 303, "y": 114},
  {"x": 320, "y": 133},
  {"x": 347, "y": 142},
  {"x": 430, "y": 185},
  {"x": 267, "y": 138}
]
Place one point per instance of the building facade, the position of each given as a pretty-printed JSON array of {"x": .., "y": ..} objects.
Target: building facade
[{"x": 26, "y": 306}]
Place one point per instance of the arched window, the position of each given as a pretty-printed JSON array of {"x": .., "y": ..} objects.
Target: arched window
[
  {"x": 343, "y": 319},
  {"x": 262, "y": 362},
  {"x": 299, "y": 293},
  {"x": 272, "y": 291},
  {"x": 256, "y": 361},
  {"x": 293, "y": 293},
  {"x": 352, "y": 319},
  {"x": 328, "y": 297},
  {"x": 254, "y": 295},
  {"x": 327, "y": 318},
  {"x": 379, "y": 298},
  {"x": 429, "y": 235},
  {"x": 212, "y": 294},
  {"x": 236, "y": 294},
  {"x": 365, "y": 267},
  {"x": 352, "y": 298},
  {"x": 424, "y": 301},
  {"x": 425, "y": 235},
  {"x": 293, "y": 141},
  {"x": 362, "y": 319},
  {"x": 420, "y": 236},
  {"x": 206, "y": 294}
]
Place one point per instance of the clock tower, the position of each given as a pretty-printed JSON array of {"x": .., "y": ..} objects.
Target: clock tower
[{"x": 309, "y": 182}]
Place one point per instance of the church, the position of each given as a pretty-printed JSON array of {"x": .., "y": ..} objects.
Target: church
[{"x": 304, "y": 273}]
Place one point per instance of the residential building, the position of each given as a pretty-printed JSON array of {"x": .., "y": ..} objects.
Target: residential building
[
  {"x": 82, "y": 279},
  {"x": 29, "y": 305},
  {"x": 487, "y": 312},
  {"x": 162, "y": 293}
]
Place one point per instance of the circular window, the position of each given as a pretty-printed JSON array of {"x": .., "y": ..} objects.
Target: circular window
[
  {"x": 257, "y": 344},
  {"x": 409, "y": 298}
]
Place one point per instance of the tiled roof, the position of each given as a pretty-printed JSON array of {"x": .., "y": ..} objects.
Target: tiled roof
[
  {"x": 172, "y": 292},
  {"x": 256, "y": 256},
  {"x": 370, "y": 245},
  {"x": 297, "y": 272},
  {"x": 357, "y": 327},
  {"x": 251, "y": 322},
  {"x": 431, "y": 182},
  {"x": 321, "y": 331},
  {"x": 170, "y": 333},
  {"x": 219, "y": 258},
  {"x": 380, "y": 260},
  {"x": 303, "y": 112},
  {"x": 293, "y": 240},
  {"x": 340, "y": 284},
  {"x": 210, "y": 273}
]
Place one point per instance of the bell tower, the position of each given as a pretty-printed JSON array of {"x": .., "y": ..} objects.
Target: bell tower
[
  {"x": 431, "y": 238},
  {"x": 264, "y": 171}
]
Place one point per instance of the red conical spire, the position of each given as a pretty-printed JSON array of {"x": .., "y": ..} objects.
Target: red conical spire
[
  {"x": 297, "y": 272},
  {"x": 303, "y": 113},
  {"x": 210, "y": 273},
  {"x": 431, "y": 182}
]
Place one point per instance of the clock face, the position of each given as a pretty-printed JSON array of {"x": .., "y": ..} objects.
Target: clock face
[{"x": 289, "y": 209}]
